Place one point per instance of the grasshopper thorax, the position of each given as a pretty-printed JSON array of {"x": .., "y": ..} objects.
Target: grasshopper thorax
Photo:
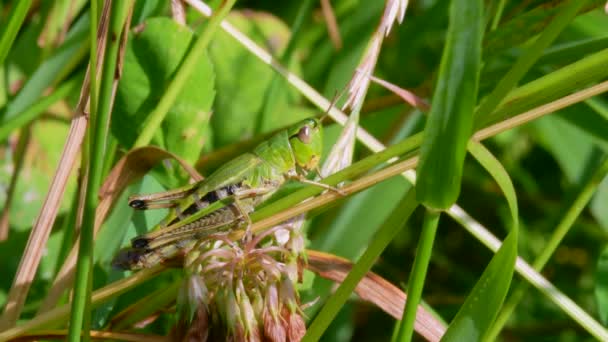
[{"x": 306, "y": 140}]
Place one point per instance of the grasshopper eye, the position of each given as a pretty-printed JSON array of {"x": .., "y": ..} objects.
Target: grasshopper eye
[{"x": 304, "y": 134}]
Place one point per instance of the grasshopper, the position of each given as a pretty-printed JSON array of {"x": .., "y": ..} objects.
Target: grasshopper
[{"x": 224, "y": 200}]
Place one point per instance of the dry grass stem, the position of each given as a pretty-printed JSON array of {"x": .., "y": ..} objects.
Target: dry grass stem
[
  {"x": 332, "y": 24},
  {"x": 178, "y": 12}
]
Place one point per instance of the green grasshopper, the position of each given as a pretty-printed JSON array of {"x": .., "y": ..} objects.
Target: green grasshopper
[{"x": 224, "y": 200}]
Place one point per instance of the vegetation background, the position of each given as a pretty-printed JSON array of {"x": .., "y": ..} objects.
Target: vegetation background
[{"x": 231, "y": 100}]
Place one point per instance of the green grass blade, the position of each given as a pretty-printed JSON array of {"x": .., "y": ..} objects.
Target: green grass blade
[
  {"x": 477, "y": 314},
  {"x": 12, "y": 28},
  {"x": 450, "y": 122},
  {"x": 418, "y": 274},
  {"x": 571, "y": 213},
  {"x": 479, "y": 310}
]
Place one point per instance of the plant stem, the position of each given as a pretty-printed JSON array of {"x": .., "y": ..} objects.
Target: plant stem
[
  {"x": 416, "y": 283},
  {"x": 98, "y": 128}
]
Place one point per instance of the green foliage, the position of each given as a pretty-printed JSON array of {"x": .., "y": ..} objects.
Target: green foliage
[
  {"x": 149, "y": 65},
  {"x": 450, "y": 122}
]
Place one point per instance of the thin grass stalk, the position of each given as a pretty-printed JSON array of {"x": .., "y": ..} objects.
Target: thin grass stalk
[
  {"x": 500, "y": 7},
  {"x": 80, "y": 314},
  {"x": 93, "y": 57},
  {"x": 18, "y": 159},
  {"x": 381, "y": 240},
  {"x": 68, "y": 227},
  {"x": 571, "y": 214},
  {"x": 154, "y": 120},
  {"x": 332, "y": 24},
  {"x": 418, "y": 273},
  {"x": 15, "y": 21},
  {"x": 51, "y": 35}
]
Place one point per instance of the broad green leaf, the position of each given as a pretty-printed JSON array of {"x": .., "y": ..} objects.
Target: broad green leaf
[
  {"x": 485, "y": 300},
  {"x": 242, "y": 79},
  {"x": 450, "y": 122},
  {"x": 481, "y": 307},
  {"x": 149, "y": 64}
]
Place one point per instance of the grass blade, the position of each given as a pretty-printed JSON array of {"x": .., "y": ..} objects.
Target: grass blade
[{"x": 450, "y": 122}]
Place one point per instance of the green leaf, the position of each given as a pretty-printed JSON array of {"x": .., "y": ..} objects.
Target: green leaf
[
  {"x": 450, "y": 122},
  {"x": 150, "y": 63},
  {"x": 475, "y": 317},
  {"x": 483, "y": 303},
  {"x": 243, "y": 80}
]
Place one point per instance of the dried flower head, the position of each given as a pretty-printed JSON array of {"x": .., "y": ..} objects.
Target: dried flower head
[
  {"x": 357, "y": 87},
  {"x": 245, "y": 291},
  {"x": 393, "y": 11}
]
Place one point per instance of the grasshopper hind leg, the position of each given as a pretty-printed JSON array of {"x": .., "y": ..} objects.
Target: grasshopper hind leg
[{"x": 238, "y": 205}]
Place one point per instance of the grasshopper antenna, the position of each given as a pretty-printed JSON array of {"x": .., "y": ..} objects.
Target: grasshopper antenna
[{"x": 337, "y": 96}]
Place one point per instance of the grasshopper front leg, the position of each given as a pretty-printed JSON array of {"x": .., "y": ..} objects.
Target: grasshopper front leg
[{"x": 244, "y": 210}]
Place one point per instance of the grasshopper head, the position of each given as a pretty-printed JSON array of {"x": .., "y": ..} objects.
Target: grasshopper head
[{"x": 306, "y": 139}]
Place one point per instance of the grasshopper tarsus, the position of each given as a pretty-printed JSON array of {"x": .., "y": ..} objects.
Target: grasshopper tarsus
[
  {"x": 140, "y": 242},
  {"x": 138, "y": 204}
]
